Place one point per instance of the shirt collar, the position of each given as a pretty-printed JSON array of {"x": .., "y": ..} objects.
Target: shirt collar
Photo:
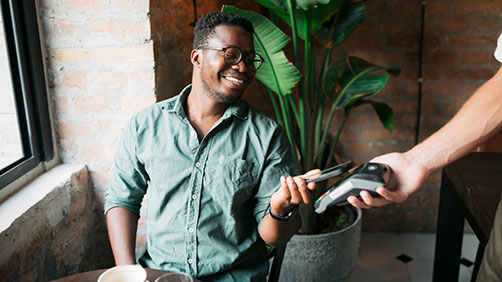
[{"x": 238, "y": 109}]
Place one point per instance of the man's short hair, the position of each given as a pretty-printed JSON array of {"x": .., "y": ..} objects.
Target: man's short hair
[{"x": 204, "y": 28}]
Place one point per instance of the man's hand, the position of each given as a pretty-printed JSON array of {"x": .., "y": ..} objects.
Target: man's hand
[
  {"x": 293, "y": 191},
  {"x": 407, "y": 176}
]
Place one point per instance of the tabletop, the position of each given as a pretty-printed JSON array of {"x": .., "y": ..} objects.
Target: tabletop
[
  {"x": 93, "y": 275},
  {"x": 477, "y": 180}
]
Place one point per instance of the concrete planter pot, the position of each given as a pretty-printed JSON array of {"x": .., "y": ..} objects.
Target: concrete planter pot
[{"x": 323, "y": 257}]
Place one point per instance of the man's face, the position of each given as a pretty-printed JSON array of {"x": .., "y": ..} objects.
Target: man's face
[{"x": 222, "y": 81}]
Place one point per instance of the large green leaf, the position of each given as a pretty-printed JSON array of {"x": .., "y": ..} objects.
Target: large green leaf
[
  {"x": 277, "y": 73},
  {"x": 384, "y": 112},
  {"x": 366, "y": 85},
  {"x": 318, "y": 15},
  {"x": 352, "y": 15},
  {"x": 349, "y": 79}
]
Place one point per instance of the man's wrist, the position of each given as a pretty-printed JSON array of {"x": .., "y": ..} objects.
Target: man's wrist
[{"x": 284, "y": 216}]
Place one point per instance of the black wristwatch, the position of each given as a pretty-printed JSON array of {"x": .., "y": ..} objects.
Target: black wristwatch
[{"x": 292, "y": 212}]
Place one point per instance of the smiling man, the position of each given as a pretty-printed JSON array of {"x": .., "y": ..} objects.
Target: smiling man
[{"x": 211, "y": 165}]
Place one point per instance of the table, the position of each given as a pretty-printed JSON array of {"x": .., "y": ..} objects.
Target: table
[
  {"x": 470, "y": 189},
  {"x": 92, "y": 276}
]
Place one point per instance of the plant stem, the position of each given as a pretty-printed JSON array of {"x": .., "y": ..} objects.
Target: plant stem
[
  {"x": 276, "y": 109},
  {"x": 304, "y": 99},
  {"x": 332, "y": 150},
  {"x": 324, "y": 137},
  {"x": 289, "y": 129}
]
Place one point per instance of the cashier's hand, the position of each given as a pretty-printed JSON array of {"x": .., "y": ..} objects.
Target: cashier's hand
[
  {"x": 293, "y": 191},
  {"x": 406, "y": 177}
]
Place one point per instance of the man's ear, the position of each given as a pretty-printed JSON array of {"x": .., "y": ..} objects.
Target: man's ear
[{"x": 195, "y": 57}]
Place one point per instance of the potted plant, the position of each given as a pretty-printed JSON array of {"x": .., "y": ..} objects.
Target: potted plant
[{"x": 305, "y": 103}]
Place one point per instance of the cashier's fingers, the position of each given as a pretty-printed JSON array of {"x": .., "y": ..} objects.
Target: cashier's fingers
[
  {"x": 367, "y": 201},
  {"x": 353, "y": 200},
  {"x": 395, "y": 196},
  {"x": 373, "y": 201}
]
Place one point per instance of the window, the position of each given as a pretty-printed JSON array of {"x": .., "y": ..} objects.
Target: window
[{"x": 26, "y": 135}]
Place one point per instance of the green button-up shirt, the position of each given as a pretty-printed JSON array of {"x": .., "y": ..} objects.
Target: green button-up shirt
[{"x": 205, "y": 199}]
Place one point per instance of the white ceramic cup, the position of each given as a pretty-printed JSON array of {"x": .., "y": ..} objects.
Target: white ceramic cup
[{"x": 124, "y": 273}]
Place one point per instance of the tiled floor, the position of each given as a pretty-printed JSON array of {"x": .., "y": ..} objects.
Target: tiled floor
[{"x": 378, "y": 260}]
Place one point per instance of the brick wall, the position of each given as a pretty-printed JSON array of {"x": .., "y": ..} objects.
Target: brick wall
[{"x": 100, "y": 72}]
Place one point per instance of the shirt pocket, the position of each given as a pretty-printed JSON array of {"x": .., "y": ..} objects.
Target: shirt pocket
[{"x": 231, "y": 184}]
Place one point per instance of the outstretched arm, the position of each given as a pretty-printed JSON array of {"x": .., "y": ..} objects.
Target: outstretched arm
[
  {"x": 479, "y": 119},
  {"x": 293, "y": 191}
]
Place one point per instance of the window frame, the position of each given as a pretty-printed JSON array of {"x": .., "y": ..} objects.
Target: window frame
[{"x": 24, "y": 52}]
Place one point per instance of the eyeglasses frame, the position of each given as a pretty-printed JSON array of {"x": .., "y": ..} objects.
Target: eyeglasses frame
[{"x": 225, "y": 48}]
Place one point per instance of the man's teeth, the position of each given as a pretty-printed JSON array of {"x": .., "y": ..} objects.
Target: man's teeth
[{"x": 233, "y": 79}]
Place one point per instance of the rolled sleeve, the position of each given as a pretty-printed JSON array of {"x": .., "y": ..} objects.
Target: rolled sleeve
[
  {"x": 129, "y": 181},
  {"x": 279, "y": 162}
]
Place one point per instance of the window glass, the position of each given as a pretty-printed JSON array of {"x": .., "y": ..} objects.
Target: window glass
[{"x": 10, "y": 139}]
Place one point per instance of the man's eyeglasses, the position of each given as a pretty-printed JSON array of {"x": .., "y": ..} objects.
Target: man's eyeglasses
[{"x": 233, "y": 55}]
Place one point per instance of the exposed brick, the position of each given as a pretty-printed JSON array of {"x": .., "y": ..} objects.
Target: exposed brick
[
  {"x": 431, "y": 41},
  {"x": 121, "y": 29},
  {"x": 486, "y": 7},
  {"x": 430, "y": 73},
  {"x": 362, "y": 42},
  {"x": 92, "y": 104},
  {"x": 469, "y": 89},
  {"x": 409, "y": 9},
  {"x": 62, "y": 28},
  {"x": 474, "y": 57},
  {"x": 485, "y": 25},
  {"x": 113, "y": 127},
  {"x": 128, "y": 5},
  {"x": 368, "y": 134},
  {"x": 404, "y": 41},
  {"x": 134, "y": 103},
  {"x": 62, "y": 105},
  {"x": 84, "y": 5},
  {"x": 388, "y": 59},
  {"x": 392, "y": 25},
  {"x": 475, "y": 73},
  {"x": 143, "y": 52},
  {"x": 99, "y": 152},
  {"x": 75, "y": 80},
  {"x": 470, "y": 41},
  {"x": 73, "y": 129},
  {"x": 455, "y": 24},
  {"x": 436, "y": 8},
  {"x": 360, "y": 148},
  {"x": 439, "y": 58}
]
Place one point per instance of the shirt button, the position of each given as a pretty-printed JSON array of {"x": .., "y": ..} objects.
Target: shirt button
[
  {"x": 197, "y": 164},
  {"x": 194, "y": 196},
  {"x": 190, "y": 229},
  {"x": 190, "y": 261}
]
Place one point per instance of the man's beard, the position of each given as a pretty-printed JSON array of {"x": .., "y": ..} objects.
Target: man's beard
[{"x": 218, "y": 95}]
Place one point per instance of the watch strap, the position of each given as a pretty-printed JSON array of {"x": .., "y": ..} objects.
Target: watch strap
[{"x": 289, "y": 215}]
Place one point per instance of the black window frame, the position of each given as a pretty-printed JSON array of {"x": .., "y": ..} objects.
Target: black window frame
[{"x": 29, "y": 84}]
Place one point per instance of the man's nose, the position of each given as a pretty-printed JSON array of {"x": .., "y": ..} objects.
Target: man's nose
[{"x": 241, "y": 66}]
